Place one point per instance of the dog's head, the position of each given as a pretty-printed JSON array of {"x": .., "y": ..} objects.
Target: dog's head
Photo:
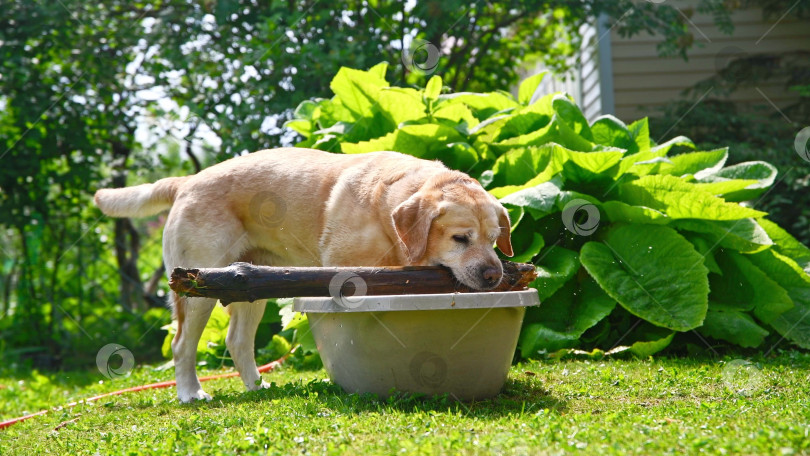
[{"x": 452, "y": 221}]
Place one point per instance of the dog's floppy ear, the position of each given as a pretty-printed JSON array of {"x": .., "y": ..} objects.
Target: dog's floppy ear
[
  {"x": 504, "y": 241},
  {"x": 412, "y": 219}
]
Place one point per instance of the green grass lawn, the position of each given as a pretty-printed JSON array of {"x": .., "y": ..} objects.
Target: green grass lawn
[{"x": 660, "y": 405}]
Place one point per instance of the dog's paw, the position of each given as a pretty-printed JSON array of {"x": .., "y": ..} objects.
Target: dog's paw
[
  {"x": 198, "y": 395},
  {"x": 257, "y": 385}
]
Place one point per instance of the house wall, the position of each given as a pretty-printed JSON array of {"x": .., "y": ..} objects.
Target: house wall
[{"x": 643, "y": 81}]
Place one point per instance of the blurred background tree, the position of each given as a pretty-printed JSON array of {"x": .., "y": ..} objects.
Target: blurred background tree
[{"x": 117, "y": 93}]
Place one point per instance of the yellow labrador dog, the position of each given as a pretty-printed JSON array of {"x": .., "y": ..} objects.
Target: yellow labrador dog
[{"x": 302, "y": 207}]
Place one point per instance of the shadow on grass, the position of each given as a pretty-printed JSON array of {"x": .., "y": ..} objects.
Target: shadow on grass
[{"x": 519, "y": 396}]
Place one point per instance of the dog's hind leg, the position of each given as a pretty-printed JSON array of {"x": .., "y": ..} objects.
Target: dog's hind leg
[
  {"x": 196, "y": 238},
  {"x": 192, "y": 315},
  {"x": 245, "y": 318}
]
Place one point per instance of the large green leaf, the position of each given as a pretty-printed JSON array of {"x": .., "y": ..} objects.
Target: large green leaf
[
  {"x": 458, "y": 113},
  {"x": 649, "y": 166},
  {"x": 304, "y": 127},
  {"x": 358, "y": 90},
  {"x": 616, "y": 211},
  {"x": 401, "y": 105},
  {"x": 306, "y": 109},
  {"x": 484, "y": 105},
  {"x": 762, "y": 172},
  {"x": 653, "y": 272},
  {"x": 549, "y": 172},
  {"x": 786, "y": 244},
  {"x": 362, "y": 130},
  {"x": 525, "y": 254},
  {"x": 556, "y": 266},
  {"x": 518, "y": 123},
  {"x": 457, "y": 155},
  {"x": 642, "y": 163},
  {"x": 215, "y": 330},
  {"x": 783, "y": 269},
  {"x": 570, "y": 113},
  {"x": 416, "y": 140},
  {"x": 609, "y": 131},
  {"x": 732, "y": 326},
  {"x": 574, "y": 308},
  {"x": 794, "y": 324},
  {"x": 580, "y": 167},
  {"x": 520, "y": 165},
  {"x": 744, "y": 235},
  {"x": 743, "y": 286},
  {"x": 501, "y": 192},
  {"x": 556, "y": 131},
  {"x": 332, "y": 111},
  {"x": 488, "y": 129},
  {"x": 647, "y": 348},
  {"x": 536, "y": 339},
  {"x": 706, "y": 250},
  {"x": 433, "y": 88},
  {"x": 528, "y": 119},
  {"x": 682, "y": 141},
  {"x": 541, "y": 197},
  {"x": 529, "y": 86},
  {"x": 727, "y": 188},
  {"x": 567, "y": 196},
  {"x": 302, "y": 333},
  {"x": 640, "y": 132},
  {"x": 681, "y": 200},
  {"x": 537, "y": 137},
  {"x": 698, "y": 163},
  {"x": 646, "y": 339}
]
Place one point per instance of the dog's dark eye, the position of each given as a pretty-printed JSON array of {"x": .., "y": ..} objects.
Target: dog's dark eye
[{"x": 461, "y": 239}]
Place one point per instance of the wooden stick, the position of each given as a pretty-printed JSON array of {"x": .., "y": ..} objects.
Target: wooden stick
[{"x": 244, "y": 282}]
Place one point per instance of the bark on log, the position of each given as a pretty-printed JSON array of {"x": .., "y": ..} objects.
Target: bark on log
[{"x": 244, "y": 282}]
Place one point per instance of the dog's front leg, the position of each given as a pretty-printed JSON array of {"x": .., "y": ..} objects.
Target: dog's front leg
[
  {"x": 245, "y": 318},
  {"x": 192, "y": 316}
]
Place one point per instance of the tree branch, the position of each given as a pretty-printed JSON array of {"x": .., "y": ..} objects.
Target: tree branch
[{"x": 244, "y": 282}]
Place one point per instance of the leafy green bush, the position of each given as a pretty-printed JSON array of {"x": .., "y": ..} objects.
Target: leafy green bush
[
  {"x": 605, "y": 214},
  {"x": 758, "y": 132}
]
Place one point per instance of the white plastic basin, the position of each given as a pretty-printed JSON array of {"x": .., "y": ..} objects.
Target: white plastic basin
[{"x": 461, "y": 344}]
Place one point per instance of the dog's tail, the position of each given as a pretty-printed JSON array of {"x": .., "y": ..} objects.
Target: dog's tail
[{"x": 140, "y": 200}]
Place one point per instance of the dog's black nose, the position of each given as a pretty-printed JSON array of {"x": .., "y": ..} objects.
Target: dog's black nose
[{"x": 491, "y": 275}]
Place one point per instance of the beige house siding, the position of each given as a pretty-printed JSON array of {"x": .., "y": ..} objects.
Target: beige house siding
[{"x": 643, "y": 81}]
